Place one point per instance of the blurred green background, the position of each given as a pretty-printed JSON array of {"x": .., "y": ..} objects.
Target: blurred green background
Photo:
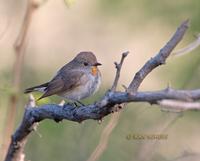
[{"x": 108, "y": 28}]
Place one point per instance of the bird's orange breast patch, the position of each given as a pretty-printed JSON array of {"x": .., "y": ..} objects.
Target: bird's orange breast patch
[{"x": 94, "y": 71}]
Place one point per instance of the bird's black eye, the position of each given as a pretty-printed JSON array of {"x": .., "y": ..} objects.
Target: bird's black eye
[{"x": 85, "y": 63}]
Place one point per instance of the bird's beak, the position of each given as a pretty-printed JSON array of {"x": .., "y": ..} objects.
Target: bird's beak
[{"x": 97, "y": 64}]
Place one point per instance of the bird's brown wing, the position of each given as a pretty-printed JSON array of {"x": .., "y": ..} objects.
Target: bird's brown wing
[{"x": 63, "y": 82}]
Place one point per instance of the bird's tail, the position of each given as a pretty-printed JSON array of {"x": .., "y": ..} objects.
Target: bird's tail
[{"x": 40, "y": 88}]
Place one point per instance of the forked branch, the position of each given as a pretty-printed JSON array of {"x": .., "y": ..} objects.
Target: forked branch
[{"x": 112, "y": 98}]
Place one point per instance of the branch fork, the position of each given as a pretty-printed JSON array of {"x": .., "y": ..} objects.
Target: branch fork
[{"x": 112, "y": 101}]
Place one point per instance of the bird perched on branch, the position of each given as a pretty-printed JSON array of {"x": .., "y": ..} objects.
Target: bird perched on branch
[{"x": 78, "y": 79}]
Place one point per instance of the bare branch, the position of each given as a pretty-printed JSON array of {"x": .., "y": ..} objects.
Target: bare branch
[
  {"x": 111, "y": 99},
  {"x": 101, "y": 108},
  {"x": 16, "y": 149},
  {"x": 94, "y": 111},
  {"x": 107, "y": 131},
  {"x": 159, "y": 59},
  {"x": 104, "y": 137},
  {"x": 190, "y": 47},
  {"x": 118, "y": 67},
  {"x": 179, "y": 105},
  {"x": 19, "y": 48}
]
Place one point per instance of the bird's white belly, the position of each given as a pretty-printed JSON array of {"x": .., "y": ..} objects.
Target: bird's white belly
[{"x": 83, "y": 91}]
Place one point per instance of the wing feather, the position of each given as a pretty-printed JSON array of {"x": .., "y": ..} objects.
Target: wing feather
[{"x": 63, "y": 82}]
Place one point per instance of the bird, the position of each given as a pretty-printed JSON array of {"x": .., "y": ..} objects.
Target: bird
[{"x": 78, "y": 79}]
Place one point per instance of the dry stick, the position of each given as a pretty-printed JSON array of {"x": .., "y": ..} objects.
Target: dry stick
[
  {"x": 105, "y": 135},
  {"x": 179, "y": 105},
  {"x": 190, "y": 47},
  {"x": 118, "y": 67},
  {"x": 103, "y": 107},
  {"x": 107, "y": 131},
  {"x": 20, "y": 156},
  {"x": 19, "y": 47}
]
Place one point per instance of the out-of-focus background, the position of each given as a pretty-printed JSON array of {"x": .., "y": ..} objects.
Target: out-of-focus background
[{"x": 58, "y": 32}]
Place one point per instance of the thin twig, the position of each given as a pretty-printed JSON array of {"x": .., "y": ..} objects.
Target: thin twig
[
  {"x": 190, "y": 47},
  {"x": 19, "y": 47},
  {"x": 179, "y": 105},
  {"x": 118, "y": 67},
  {"x": 107, "y": 131},
  {"x": 103, "y": 142}
]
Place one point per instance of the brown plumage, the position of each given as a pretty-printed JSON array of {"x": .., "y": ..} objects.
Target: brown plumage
[{"x": 76, "y": 80}]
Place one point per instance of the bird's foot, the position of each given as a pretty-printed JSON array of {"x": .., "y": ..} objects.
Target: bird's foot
[
  {"x": 82, "y": 104},
  {"x": 76, "y": 103},
  {"x": 70, "y": 103}
]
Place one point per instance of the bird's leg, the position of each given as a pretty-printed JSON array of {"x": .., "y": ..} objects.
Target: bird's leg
[
  {"x": 70, "y": 103},
  {"x": 75, "y": 104},
  {"x": 82, "y": 104}
]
